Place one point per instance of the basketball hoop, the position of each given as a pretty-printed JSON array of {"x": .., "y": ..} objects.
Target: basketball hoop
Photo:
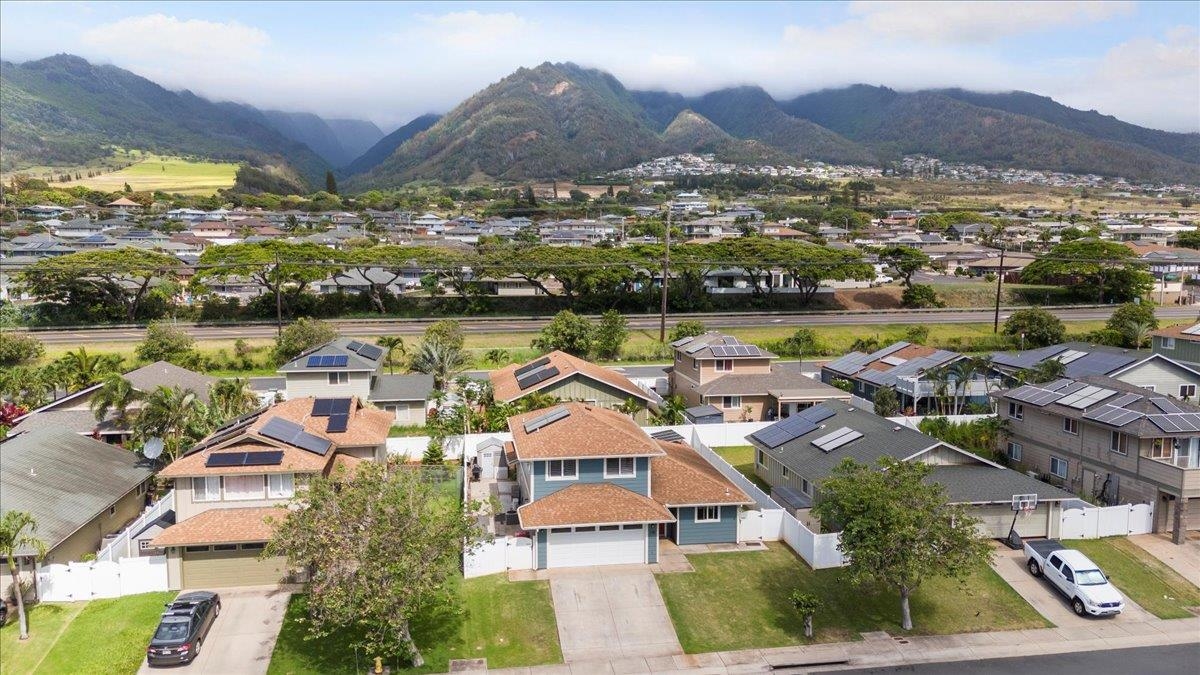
[{"x": 1022, "y": 505}]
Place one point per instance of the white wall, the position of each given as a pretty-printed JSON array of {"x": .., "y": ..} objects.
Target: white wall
[
  {"x": 102, "y": 579},
  {"x": 1107, "y": 521}
]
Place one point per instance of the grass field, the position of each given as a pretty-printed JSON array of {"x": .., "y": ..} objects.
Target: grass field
[
  {"x": 168, "y": 174},
  {"x": 742, "y": 459},
  {"x": 1141, "y": 576}
]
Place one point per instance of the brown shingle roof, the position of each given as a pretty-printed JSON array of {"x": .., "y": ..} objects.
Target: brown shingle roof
[
  {"x": 295, "y": 460},
  {"x": 221, "y": 526},
  {"x": 505, "y": 388},
  {"x": 592, "y": 504},
  {"x": 1177, "y": 332},
  {"x": 587, "y": 431},
  {"x": 367, "y": 426},
  {"x": 683, "y": 478}
]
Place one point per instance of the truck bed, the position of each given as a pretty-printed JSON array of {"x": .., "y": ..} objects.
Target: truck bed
[{"x": 1044, "y": 547}]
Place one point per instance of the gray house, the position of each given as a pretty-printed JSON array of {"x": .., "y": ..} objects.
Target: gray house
[{"x": 1159, "y": 372}]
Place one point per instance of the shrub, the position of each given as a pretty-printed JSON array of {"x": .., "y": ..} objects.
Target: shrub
[
  {"x": 920, "y": 296},
  {"x": 689, "y": 328},
  {"x": 568, "y": 332},
  {"x": 300, "y": 336},
  {"x": 804, "y": 342},
  {"x": 1040, "y": 328},
  {"x": 887, "y": 403},
  {"x": 165, "y": 341},
  {"x": 609, "y": 335},
  {"x": 19, "y": 348},
  {"x": 917, "y": 335},
  {"x": 1131, "y": 321},
  {"x": 447, "y": 332}
]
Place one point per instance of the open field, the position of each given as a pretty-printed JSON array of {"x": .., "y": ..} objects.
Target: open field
[
  {"x": 949, "y": 195},
  {"x": 147, "y": 173}
]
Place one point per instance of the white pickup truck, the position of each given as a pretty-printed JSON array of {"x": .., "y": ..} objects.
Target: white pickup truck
[{"x": 1075, "y": 576}]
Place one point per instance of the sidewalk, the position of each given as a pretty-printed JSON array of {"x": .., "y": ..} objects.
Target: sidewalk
[{"x": 881, "y": 649}]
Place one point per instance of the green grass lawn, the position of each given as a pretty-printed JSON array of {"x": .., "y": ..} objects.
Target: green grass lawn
[
  {"x": 1141, "y": 576},
  {"x": 739, "y": 601},
  {"x": 169, "y": 174},
  {"x": 742, "y": 459},
  {"x": 510, "y": 624},
  {"x": 101, "y": 636}
]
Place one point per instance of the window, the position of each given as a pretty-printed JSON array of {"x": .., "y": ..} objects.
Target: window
[
  {"x": 708, "y": 514},
  {"x": 560, "y": 530},
  {"x": 805, "y": 487},
  {"x": 1071, "y": 425},
  {"x": 1162, "y": 448},
  {"x": 300, "y": 480},
  {"x": 1016, "y": 411},
  {"x": 620, "y": 467},
  {"x": 1118, "y": 442},
  {"x": 225, "y": 547},
  {"x": 1070, "y": 576},
  {"x": 561, "y": 469},
  {"x": 724, "y": 365},
  {"x": 784, "y": 471},
  {"x": 339, "y": 378},
  {"x": 1058, "y": 466},
  {"x": 1187, "y": 391},
  {"x": 609, "y": 528},
  {"x": 695, "y": 364},
  {"x": 731, "y": 402},
  {"x": 1014, "y": 451},
  {"x": 144, "y": 545},
  {"x": 206, "y": 489},
  {"x": 280, "y": 485},
  {"x": 589, "y": 528},
  {"x": 195, "y": 549},
  {"x": 631, "y": 527},
  {"x": 1166, "y": 342},
  {"x": 244, "y": 487},
  {"x": 762, "y": 458},
  {"x": 255, "y": 546}
]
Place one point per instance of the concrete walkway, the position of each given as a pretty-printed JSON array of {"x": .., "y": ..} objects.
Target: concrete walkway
[
  {"x": 612, "y": 613},
  {"x": 1184, "y": 559}
]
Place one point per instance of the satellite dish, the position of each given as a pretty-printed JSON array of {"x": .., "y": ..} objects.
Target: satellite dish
[{"x": 153, "y": 448}]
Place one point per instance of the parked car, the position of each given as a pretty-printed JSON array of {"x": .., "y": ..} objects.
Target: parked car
[
  {"x": 1075, "y": 576},
  {"x": 182, "y": 629}
]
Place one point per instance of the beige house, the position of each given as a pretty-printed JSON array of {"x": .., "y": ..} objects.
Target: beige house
[
  {"x": 228, "y": 485},
  {"x": 569, "y": 378}
]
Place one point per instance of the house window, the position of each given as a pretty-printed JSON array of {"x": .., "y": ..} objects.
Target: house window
[
  {"x": 280, "y": 485},
  {"x": 731, "y": 402},
  {"x": 1166, "y": 342},
  {"x": 225, "y": 547},
  {"x": 561, "y": 469},
  {"x": 695, "y": 364},
  {"x": 339, "y": 378},
  {"x": 244, "y": 487},
  {"x": 206, "y": 489},
  {"x": 1071, "y": 425},
  {"x": 708, "y": 514},
  {"x": 144, "y": 545},
  {"x": 1118, "y": 442},
  {"x": 1162, "y": 448},
  {"x": 1014, "y": 451},
  {"x": 1187, "y": 391},
  {"x": 1016, "y": 411},
  {"x": 1058, "y": 466},
  {"x": 620, "y": 467},
  {"x": 254, "y": 546},
  {"x": 195, "y": 549},
  {"x": 805, "y": 487},
  {"x": 762, "y": 458},
  {"x": 724, "y": 365},
  {"x": 784, "y": 471}
]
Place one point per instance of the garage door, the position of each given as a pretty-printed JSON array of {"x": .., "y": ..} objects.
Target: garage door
[
  {"x": 224, "y": 568},
  {"x": 605, "y": 546},
  {"x": 996, "y": 519}
]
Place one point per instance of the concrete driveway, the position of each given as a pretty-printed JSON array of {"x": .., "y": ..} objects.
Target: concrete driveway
[
  {"x": 242, "y": 638},
  {"x": 610, "y": 613}
]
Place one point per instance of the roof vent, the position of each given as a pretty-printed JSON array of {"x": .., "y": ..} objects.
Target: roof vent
[
  {"x": 849, "y": 409},
  {"x": 896, "y": 428}
]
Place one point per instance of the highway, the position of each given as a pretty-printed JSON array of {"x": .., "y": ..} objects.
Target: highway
[
  {"x": 1164, "y": 660},
  {"x": 374, "y": 327}
]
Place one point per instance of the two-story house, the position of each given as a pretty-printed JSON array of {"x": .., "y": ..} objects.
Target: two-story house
[
  {"x": 346, "y": 367},
  {"x": 742, "y": 380},
  {"x": 1115, "y": 442},
  {"x": 596, "y": 490},
  {"x": 1179, "y": 343},
  {"x": 570, "y": 378},
  {"x": 229, "y": 483},
  {"x": 924, "y": 378},
  {"x": 1157, "y": 372}
]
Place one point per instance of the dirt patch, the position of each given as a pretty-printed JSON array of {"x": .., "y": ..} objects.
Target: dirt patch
[{"x": 883, "y": 297}]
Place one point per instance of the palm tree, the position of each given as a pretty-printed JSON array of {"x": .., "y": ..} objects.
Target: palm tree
[
  {"x": 963, "y": 371},
  {"x": 538, "y": 400},
  {"x": 1046, "y": 371},
  {"x": 670, "y": 412},
  {"x": 631, "y": 406},
  {"x": 441, "y": 360},
  {"x": 28, "y": 387},
  {"x": 79, "y": 369},
  {"x": 177, "y": 416},
  {"x": 496, "y": 356},
  {"x": 115, "y": 396},
  {"x": 17, "y": 533},
  {"x": 231, "y": 398},
  {"x": 1139, "y": 331},
  {"x": 391, "y": 343},
  {"x": 984, "y": 366}
]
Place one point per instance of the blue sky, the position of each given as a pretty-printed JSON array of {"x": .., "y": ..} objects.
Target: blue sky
[{"x": 389, "y": 62}]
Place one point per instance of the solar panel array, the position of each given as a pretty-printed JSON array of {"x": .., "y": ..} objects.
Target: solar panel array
[
  {"x": 536, "y": 376},
  {"x": 793, "y": 427},
  {"x": 355, "y": 346},
  {"x": 667, "y": 435},
  {"x": 849, "y": 364},
  {"x": 294, "y": 434},
  {"x": 372, "y": 352},
  {"x": 1070, "y": 355},
  {"x": 724, "y": 351},
  {"x": 531, "y": 366},
  {"x": 692, "y": 349},
  {"x": 257, "y": 458},
  {"x": 1089, "y": 395},
  {"x": 337, "y": 423},
  {"x": 228, "y": 430},
  {"x": 1192, "y": 330},
  {"x": 1098, "y": 363},
  {"x": 893, "y": 360},
  {"x": 1034, "y": 395},
  {"x": 1165, "y": 404},
  {"x": 1112, "y": 415},
  {"x": 1124, "y": 400},
  {"x": 1173, "y": 423},
  {"x": 327, "y": 361},
  {"x": 836, "y": 439},
  {"x": 683, "y": 341},
  {"x": 546, "y": 419}
]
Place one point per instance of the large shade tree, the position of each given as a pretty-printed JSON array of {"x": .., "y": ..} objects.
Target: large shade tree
[
  {"x": 278, "y": 266},
  {"x": 120, "y": 278},
  {"x": 1105, "y": 271}
]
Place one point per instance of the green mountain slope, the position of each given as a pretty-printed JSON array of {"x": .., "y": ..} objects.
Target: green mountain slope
[
  {"x": 384, "y": 147},
  {"x": 692, "y": 132},
  {"x": 64, "y": 110},
  {"x": 312, "y": 131}
]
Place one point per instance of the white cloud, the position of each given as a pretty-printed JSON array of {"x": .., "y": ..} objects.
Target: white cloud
[
  {"x": 163, "y": 39},
  {"x": 469, "y": 30},
  {"x": 973, "y": 22}
]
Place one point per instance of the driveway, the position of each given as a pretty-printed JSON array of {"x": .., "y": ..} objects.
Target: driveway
[
  {"x": 241, "y": 640},
  {"x": 609, "y": 613}
]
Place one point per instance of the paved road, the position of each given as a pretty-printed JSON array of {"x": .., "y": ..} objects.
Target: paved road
[
  {"x": 1166, "y": 660},
  {"x": 636, "y": 322}
]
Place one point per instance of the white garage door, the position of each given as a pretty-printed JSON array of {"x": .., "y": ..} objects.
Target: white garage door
[
  {"x": 591, "y": 546},
  {"x": 995, "y": 521}
]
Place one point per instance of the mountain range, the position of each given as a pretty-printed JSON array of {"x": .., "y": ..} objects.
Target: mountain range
[{"x": 562, "y": 120}]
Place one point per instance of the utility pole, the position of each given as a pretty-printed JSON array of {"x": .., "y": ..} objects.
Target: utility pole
[
  {"x": 662, "y": 322},
  {"x": 278, "y": 299},
  {"x": 999, "y": 286}
]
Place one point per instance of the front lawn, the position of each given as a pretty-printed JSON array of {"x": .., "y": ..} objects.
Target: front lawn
[
  {"x": 101, "y": 636},
  {"x": 1141, "y": 576},
  {"x": 510, "y": 624},
  {"x": 742, "y": 459},
  {"x": 739, "y": 601}
]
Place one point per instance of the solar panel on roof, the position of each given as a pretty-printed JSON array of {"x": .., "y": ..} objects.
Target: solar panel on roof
[
  {"x": 321, "y": 407},
  {"x": 667, "y": 435},
  {"x": 815, "y": 414},
  {"x": 544, "y": 420},
  {"x": 263, "y": 458},
  {"x": 313, "y": 362},
  {"x": 1034, "y": 395},
  {"x": 337, "y": 423},
  {"x": 531, "y": 366},
  {"x": 224, "y": 459},
  {"x": 695, "y": 348},
  {"x": 893, "y": 360},
  {"x": 372, "y": 352},
  {"x": 1124, "y": 400},
  {"x": 793, "y": 427},
  {"x": 313, "y": 444},
  {"x": 683, "y": 341},
  {"x": 836, "y": 439},
  {"x": 1165, "y": 404},
  {"x": 1070, "y": 355},
  {"x": 294, "y": 434},
  {"x": 1112, "y": 415},
  {"x": 1192, "y": 330},
  {"x": 354, "y": 346}
]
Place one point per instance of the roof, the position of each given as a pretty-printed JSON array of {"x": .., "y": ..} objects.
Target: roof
[
  {"x": 983, "y": 483},
  {"x": 1081, "y": 359},
  {"x": 65, "y": 480},
  {"x": 77, "y": 421},
  {"x": 1184, "y": 331},
  {"x": 409, "y": 387},
  {"x": 682, "y": 477},
  {"x": 355, "y": 361},
  {"x": 163, "y": 374},
  {"x": 1110, "y": 403},
  {"x": 506, "y": 387},
  {"x": 886, "y": 366},
  {"x": 782, "y": 383},
  {"x": 714, "y": 345},
  {"x": 592, "y": 504},
  {"x": 706, "y": 410},
  {"x": 583, "y": 431},
  {"x": 123, "y": 201},
  {"x": 221, "y": 526}
]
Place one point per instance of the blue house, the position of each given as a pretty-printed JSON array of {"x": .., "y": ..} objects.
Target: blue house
[{"x": 596, "y": 490}]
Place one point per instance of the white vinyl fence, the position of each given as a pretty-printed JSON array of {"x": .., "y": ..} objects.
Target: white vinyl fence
[
  {"x": 1107, "y": 521},
  {"x": 102, "y": 579},
  {"x": 122, "y": 546},
  {"x": 499, "y": 555}
]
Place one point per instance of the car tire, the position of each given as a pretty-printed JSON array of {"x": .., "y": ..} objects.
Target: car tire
[
  {"x": 1077, "y": 605},
  {"x": 217, "y": 611},
  {"x": 196, "y": 651},
  {"x": 1034, "y": 568}
]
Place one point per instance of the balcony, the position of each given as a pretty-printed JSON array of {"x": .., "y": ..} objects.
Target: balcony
[{"x": 1181, "y": 472}]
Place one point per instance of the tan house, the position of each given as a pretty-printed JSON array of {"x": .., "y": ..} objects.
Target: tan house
[
  {"x": 741, "y": 380},
  {"x": 570, "y": 378},
  {"x": 232, "y": 481}
]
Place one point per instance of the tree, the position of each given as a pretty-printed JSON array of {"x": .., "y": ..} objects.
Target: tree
[
  {"x": 116, "y": 395},
  {"x": 442, "y": 360},
  {"x": 434, "y": 454},
  {"x": 887, "y": 403},
  {"x": 920, "y": 296},
  {"x": 1046, "y": 371},
  {"x": 165, "y": 341},
  {"x": 528, "y": 196},
  {"x": 906, "y": 260},
  {"x": 1035, "y": 327},
  {"x": 579, "y": 196},
  {"x": 79, "y": 369},
  {"x": 1189, "y": 239},
  {"x": 807, "y": 605},
  {"x": 18, "y": 535},
  {"x": 670, "y": 411},
  {"x": 391, "y": 345},
  {"x": 19, "y": 348},
  {"x": 175, "y": 415},
  {"x": 383, "y": 545},
  {"x": 898, "y": 530},
  {"x": 231, "y": 398},
  {"x": 567, "y": 332},
  {"x": 448, "y": 332},
  {"x": 918, "y": 334},
  {"x": 686, "y": 328},
  {"x": 119, "y": 278},
  {"x": 609, "y": 336},
  {"x": 1128, "y": 319},
  {"x": 330, "y": 183},
  {"x": 278, "y": 266},
  {"x": 301, "y": 336},
  {"x": 857, "y": 187},
  {"x": 1105, "y": 271},
  {"x": 496, "y": 356}
]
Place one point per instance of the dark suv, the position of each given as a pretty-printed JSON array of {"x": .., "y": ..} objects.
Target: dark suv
[{"x": 183, "y": 628}]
